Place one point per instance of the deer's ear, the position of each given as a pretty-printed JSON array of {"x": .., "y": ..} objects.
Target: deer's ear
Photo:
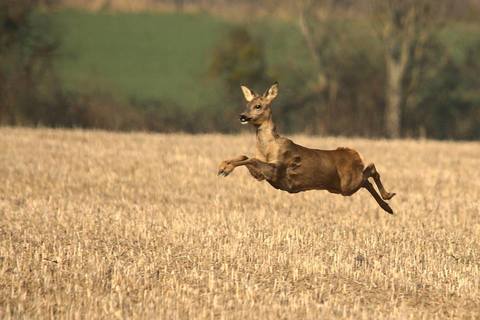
[
  {"x": 272, "y": 92},
  {"x": 247, "y": 93}
]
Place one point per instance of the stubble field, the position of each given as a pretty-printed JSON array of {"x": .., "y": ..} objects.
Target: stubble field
[{"x": 104, "y": 225}]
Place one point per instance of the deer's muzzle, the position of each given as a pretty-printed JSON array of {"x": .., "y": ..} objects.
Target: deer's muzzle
[{"x": 244, "y": 119}]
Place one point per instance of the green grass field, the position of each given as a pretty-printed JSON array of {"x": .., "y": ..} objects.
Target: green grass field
[
  {"x": 147, "y": 56},
  {"x": 158, "y": 56},
  {"x": 141, "y": 56}
]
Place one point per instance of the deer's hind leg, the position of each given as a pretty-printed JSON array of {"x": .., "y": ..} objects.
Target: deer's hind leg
[
  {"x": 367, "y": 185},
  {"x": 371, "y": 171},
  {"x": 356, "y": 177}
]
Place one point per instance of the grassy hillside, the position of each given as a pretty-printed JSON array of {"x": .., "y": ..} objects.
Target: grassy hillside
[
  {"x": 141, "y": 55},
  {"x": 162, "y": 56},
  {"x": 100, "y": 225}
]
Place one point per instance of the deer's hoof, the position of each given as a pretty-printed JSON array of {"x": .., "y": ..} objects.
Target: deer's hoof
[
  {"x": 225, "y": 169},
  {"x": 387, "y": 208},
  {"x": 223, "y": 173}
]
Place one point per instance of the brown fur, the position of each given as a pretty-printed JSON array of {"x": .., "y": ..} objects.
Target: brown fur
[{"x": 293, "y": 168}]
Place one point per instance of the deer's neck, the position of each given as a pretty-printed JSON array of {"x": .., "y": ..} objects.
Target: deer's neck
[{"x": 266, "y": 135}]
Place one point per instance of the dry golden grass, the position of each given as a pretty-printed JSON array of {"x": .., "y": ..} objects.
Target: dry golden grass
[{"x": 104, "y": 225}]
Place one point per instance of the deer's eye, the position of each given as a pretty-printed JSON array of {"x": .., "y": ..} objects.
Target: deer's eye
[{"x": 258, "y": 107}]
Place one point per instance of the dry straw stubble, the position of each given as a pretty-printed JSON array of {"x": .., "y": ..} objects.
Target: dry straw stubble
[{"x": 103, "y": 225}]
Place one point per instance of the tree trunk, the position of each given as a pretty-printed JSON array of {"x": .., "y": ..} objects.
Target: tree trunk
[
  {"x": 394, "y": 95},
  {"x": 393, "y": 100}
]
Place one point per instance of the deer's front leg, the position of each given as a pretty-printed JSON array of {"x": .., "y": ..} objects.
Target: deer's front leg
[
  {"x": 259, "y": 169},
  {"x": 227, "y": 166},
  {"x": 255, "y": 172}
]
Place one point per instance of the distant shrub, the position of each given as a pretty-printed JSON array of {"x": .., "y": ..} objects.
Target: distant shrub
[{"x": 238, "y": 58}]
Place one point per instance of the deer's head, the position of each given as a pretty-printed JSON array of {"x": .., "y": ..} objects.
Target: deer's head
[{"x": 258, "y": 108}]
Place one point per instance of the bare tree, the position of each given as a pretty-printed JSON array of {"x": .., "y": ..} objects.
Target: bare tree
[
  {"x": 314, "y": 18},
  {"x": 405, "y": 28}
]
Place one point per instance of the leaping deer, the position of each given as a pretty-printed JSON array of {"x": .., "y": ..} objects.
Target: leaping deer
[{"x": 293, "y": 168}]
